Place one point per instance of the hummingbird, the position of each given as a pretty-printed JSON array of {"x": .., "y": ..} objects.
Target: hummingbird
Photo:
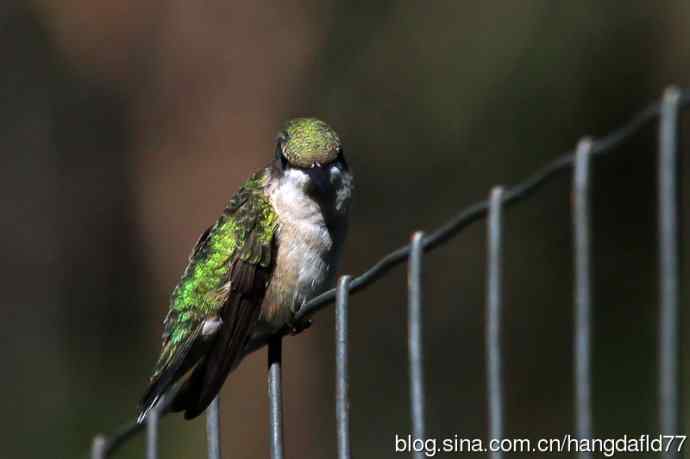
[{"x": 276, "y": 245}]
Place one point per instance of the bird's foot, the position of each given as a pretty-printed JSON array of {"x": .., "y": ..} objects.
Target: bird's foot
[{"x": 298, "y": 327}]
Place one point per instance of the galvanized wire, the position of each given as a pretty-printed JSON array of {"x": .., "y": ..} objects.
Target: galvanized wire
[
  {"x": 477, "y": 211},
  {"x": 152, "y": 434},
  {"x": 342, "y": 398},
  {"x": 414, "y": 341},
  {"x": 98, "y": 447},
  {"x": 494, "y": 306},
  {"x": 669, "y": 268},
  {"x": 582, "y": 341},
  {"x": 213, "y": 429},
  {"x": 275, "y": 398},
  {"x": 674, "y": 101}
]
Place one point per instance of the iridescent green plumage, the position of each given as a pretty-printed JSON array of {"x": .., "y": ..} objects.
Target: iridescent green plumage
[
  {"x": 224, "y": 261},
  {"x": 309, "y": 141}
]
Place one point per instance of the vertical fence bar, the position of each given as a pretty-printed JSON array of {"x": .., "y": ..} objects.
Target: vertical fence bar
[
  {"x": 213, "y": 428},
  {"x": 275, "y": 397},
  {"x": 98, "y": 447},
  {"x": 152, "y": 434},
  {"x": 669, "y": 265},
  {"x": 342, "y": 400},
  {"x": 494, "y": 305},
  {"x": 583, "y": 293},
  {"x": 414, "y": 323}
]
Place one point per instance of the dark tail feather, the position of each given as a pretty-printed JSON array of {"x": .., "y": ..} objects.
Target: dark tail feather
[
  {"x": 199, "y": 390},
  {"x": 208, "y": 377},
  {"x": 188, "y": 356},
  {"x": 188, "y": 395},
  {"x": 154, "y": 394},
  {"x": 148, "y": 402}
]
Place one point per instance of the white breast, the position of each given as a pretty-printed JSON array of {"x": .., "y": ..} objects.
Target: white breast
[{"x": 308, "y": 249}]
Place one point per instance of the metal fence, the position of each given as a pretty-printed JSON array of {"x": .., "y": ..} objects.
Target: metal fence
[{"x": 667, "y": 111}]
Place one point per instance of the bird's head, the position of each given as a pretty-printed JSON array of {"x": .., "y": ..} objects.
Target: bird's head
[
  {"x": 308, "y": 143},
  {"x": 308, "y": 150}
]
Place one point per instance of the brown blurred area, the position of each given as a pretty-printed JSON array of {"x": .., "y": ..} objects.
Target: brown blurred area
[{"x": 125, "y": 126}]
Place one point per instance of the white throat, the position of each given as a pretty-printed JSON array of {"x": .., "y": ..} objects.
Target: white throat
[{"x": 310, "y": 235}]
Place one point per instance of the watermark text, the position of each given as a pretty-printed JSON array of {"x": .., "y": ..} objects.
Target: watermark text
[{"x": 609, "y": 447}]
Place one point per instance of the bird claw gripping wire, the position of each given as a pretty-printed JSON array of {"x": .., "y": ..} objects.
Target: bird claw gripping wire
[{"x": 299, "y": 326}]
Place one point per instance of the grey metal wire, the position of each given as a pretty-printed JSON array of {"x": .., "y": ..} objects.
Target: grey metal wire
[
  {"x": 275, "y": 398},
  {"x": 342, "y": 398},
  {"x": 213, "y": 429},
  {"x": 582, "y": 341},
  {"x": 98, "y": 447},
  {"x": 669, "y": 266},
  {"x": 414, "y": 341},
  {"x": 152, "y": 423},
  {"x": 128, "y": 431},
  {"x": 494, "y": 305},
  {"x": 478, "y": 211}
]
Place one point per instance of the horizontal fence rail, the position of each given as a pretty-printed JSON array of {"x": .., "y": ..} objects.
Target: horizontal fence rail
[{"x": 668, "y": 110}]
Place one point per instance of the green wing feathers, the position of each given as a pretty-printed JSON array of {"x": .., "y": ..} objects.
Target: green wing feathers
[{"x": 243, "y": 235}]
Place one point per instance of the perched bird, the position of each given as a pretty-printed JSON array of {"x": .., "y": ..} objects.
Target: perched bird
[{"x": 276, "y": 245}]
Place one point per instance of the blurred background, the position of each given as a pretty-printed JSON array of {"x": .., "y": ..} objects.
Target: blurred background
[{"x": 125, "y": 126}]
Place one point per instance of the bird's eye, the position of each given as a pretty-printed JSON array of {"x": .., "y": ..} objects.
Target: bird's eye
[
  {"x": 340, "y": 160},
  {"x": 280, "y": 157},
  {"x": 279, "y": 150}
]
